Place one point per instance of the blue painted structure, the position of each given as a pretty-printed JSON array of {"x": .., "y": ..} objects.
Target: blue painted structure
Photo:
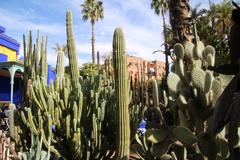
[
  {"x": 51, "y": 74},
  {"x": 2, "y": 29},
  {"x": 8, "y": 41},
  {"x": 10, "y": 89},
  {"x": 5, "y": 88},
  {"x": 3, "y": 57},
  {"x": 10, "y": 86},
  {"x": 142, "y": 126}
]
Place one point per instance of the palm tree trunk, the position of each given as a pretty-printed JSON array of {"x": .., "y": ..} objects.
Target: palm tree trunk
[
  {"x": 93, "y": 43},
  {"x": 165, "y": 44},
  {"x": 179, "y": 10}
]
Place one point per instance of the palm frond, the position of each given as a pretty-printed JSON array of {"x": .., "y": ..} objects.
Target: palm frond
[{"x": 92, "y": 10}]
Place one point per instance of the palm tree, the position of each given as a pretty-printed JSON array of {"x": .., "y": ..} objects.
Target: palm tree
[
  {"x": 60, "y": 51},
  {"x": 161, "y": 6},
  {"x": 213, "y": 26},
  {"x": 89, "y": 69},
  {"x": 60, "y": 48},
  {"x": 197, "y": 13},
  {"x": 221, "y": 15},
  {"x": 92, "y": 10}
]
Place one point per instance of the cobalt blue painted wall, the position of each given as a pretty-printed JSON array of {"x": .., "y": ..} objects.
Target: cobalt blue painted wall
[
  {"x": 9, "y": 42},
  {"x": 5, "y": 89},
  {"x": 51, "y": 74},
  {"x": 3, "y": 57},
  {"x": 2, "y": 29}
]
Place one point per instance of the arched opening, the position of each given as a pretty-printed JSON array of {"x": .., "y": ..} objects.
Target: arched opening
[{"x": 11, "y": 82}]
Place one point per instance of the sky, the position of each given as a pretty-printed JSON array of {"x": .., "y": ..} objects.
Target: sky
[{"x": 142, "y": 28}]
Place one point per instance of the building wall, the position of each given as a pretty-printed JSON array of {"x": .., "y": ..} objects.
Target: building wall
[
  {"x": 9, "y": 47},
  {"x": 5, "y": 90},
  {"x": 7, "y": 52},
  {"x": 138, "y": 66}
]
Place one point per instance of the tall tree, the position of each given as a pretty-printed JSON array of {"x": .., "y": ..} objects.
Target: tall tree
[
  {"x": 60, "y": 51},
  {"x": 160, "y": 7},
  {"x": 179, "y": 19},
  {"x": 92, "y": 10},
  {"x": 213, "y": 26}
]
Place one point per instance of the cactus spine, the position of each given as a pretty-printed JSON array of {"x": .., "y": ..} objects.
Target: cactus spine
[{"x": 121, "y": 92}]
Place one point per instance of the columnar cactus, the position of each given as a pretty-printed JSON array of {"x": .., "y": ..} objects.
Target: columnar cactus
[
  {"x": 60, "y": 62},
  {"x": 72, "y": 54},
  {"x": 35, "y": 61},
  {"x": 98, "y": 58},
  {"x": 44, "y": 66},
  {"x": 36, "y": 152},
  {"x": 79, "y": 112},
  {"x": 7, "y": 148},
  {"x": 121, "y": 94},
  {"x": 11, "y": 113}
]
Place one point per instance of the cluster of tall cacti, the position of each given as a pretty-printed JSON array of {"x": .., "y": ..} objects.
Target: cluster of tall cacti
[
  {"x": 75, "y": 117},
  {"x": 97, "y": 116},
  {"x": 35, "y": 60},
  {"x": 7, "y": 148}
]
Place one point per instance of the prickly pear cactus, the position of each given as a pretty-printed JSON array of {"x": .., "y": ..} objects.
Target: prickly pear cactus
[
  {"x": 195, "y": 89},
  {"x": 191, "y": 82}
]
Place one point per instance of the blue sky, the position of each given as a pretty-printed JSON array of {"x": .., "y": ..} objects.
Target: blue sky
[{"x": 143, "y": 29}]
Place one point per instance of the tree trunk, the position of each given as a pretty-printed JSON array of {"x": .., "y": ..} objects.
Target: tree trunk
[
  {"x": 165, "y": 45},
  {"x": 179, "y": 11},
  {"x": 98, "y": 58},
  {"x": 93, "y": 43}
]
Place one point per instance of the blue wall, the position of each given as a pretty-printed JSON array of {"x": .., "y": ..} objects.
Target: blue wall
[
  {"x": 2, "y": 29},
  {"x": 3, "y": 57},
  {"x": 7, "y": 41},
  {"x": 5, "y": 89},
  {"x": 51, "y": 74}
]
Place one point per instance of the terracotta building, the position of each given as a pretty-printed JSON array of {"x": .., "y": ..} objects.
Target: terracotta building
[{"x": 150, "y": 69}]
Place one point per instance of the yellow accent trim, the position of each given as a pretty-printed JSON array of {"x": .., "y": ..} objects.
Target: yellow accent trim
[{"x": 12, "y": 55}]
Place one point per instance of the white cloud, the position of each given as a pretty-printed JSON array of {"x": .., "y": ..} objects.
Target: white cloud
[
  {"x": 142, "y": 38},
  {"x": 143, "y": 33},
  {"x": 21, "y": 23},
  {"x": 85, "y": 48}
]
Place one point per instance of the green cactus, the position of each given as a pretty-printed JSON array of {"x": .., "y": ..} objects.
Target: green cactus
[
  {"x": 43, "y": 60},
  {"x": 121, "y": 93},
  {"x": 36, "y": 152},
  {"x": 179, "y": 51},
  {"x": 174, "y": 83},
  {"x": 188, "y": 46},
  {"x": 60, "y": 62},
  {"x": 155, "y": 93},
  {"x": 11, "y": 112},
  {"x": 78, "y": 111},
  {"x": 72, "y": 54},
  {"x": 194, "y": 88},
  {"x": 7, "y": 148}
]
